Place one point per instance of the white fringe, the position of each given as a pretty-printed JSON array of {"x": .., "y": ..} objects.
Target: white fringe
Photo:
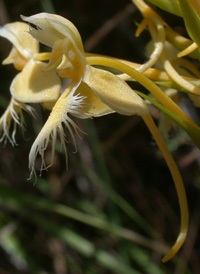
[
  {"x": 13, "y": 114},
  {"x": 54, "y": 126}
]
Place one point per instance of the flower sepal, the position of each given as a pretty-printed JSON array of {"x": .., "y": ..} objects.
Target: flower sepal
[{"x": 34, "y": 85}]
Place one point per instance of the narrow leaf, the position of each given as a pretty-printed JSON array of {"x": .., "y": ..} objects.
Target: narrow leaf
[
  {"x": 191, "y": 15},
  {"x": 171, "y": 6}
]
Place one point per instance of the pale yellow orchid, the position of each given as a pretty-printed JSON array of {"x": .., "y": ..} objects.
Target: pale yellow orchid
[
  {"x": 96, "y": 92},
  {"x": 93, "y": 92},
  {"x": 32, "y": 85},
  {"x": 24, "y": 47}
]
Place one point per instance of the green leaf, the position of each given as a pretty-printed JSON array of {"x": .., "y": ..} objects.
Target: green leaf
[
  {"x": 145, "y": 261},
  {"x": 192, "y": 131},
  {"x": 15, "y": 248},
  {"x": 171, "y": 6},
  {"x": 21, "y": 203},
  {"x": 112, "y": 194},
  {"x": 18, "y": 201},
  {"x": 191, "y": 15}
]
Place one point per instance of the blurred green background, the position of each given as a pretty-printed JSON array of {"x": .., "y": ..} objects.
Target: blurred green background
[{"x": 115, "y": 209}]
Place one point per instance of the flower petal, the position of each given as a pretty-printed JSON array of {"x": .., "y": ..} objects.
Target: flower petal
[
  {"x": 33, "y": 85},
  {"x": 15, "y": 57},
  {"x": 56, "y": 55},
  {"x": 17, "y": 34},
  {"x": 114, "y": 92},
  {"x": 51, "y": 27}
]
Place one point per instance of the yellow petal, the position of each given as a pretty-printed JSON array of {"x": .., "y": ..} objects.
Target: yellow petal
[
  {"x": 33, "y": 85},
  {"x": 114, "y": 92},
  {"x": 92, "y": 105},
  {"x": 17, "y": 34},
  {"x": 51, "y": 27},
  {"x": 15, "y": 57}
]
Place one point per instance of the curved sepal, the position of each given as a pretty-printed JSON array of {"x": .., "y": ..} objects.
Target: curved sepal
[
  {"x": 48, "y": 28},
  {"x": 114, "y": 92},
  {"x": 34, "y": 85},
  {"x": 17, "y": 34}
]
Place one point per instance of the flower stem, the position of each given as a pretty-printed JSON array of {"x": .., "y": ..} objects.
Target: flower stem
[{"x": 178, "y": 184}]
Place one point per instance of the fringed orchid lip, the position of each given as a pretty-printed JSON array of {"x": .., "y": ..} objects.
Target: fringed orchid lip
[
  {"x": 13, "y": 114},
  {"x": 67, "y": 103}
]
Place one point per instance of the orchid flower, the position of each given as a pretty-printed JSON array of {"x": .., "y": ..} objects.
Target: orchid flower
[
  {"x": 29, "y": 86},
  {"x": 92, "y": 92},
  {"x": 95, "y": 92},
  {"x": 24, "y": 47}
]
